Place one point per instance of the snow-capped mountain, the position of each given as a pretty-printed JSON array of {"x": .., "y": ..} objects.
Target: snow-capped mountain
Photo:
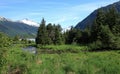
[
  {"x": 13, "y": 28},
  {"x": 29, "y": 22},
  {"x": 66, "y": 29},
  {"x": 4, "y": 19}
]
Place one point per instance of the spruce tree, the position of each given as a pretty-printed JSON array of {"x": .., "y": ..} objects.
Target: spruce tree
[
  {"x": 70, "y": 36},
  {"x": 113, "y": 21},
  {"x": 106, "y": 36},
  {"x": 112, "y": 17},
  {"x": 106, "y": 29},
  {"x": 42, "y": 34},
  {"x": 50, "y": 32},
  {"x": 96, "y": 27},
  {"x": 58, "y": 36}
]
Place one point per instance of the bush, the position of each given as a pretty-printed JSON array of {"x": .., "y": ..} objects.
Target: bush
[
  {"x": 2, "y": 58},
  {"x": 4, "y": 40},
  {"x": 95, "y": 45},
  {"x": 115, "y": 44}
]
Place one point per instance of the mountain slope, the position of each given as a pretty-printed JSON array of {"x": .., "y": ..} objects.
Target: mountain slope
[
  {"x": 89, "y": 20},
  {"x": 13, "y": 28}
]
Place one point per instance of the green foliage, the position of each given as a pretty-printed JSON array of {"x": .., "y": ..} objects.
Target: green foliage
[
  {"x": 42, "y": 34},
  {"x": 112, "y": 18},
  {"x": 96, "y": 27},
  {"x": 81, "y": 63},
  {"x": 106, "y": 30},
  {"x": 17, "y": 61},
  {"x": 106, "y": 37},
  {"x": 95, "y": 45},
  {"x": 4, "y": 40},
  {"x": 85, "y": 37},
  {"x": 72, "y": 36},
  {"x": 24, "y": 41},
  {"x": 2, "y": 58},
  {"x": 50, "y": 34},
  {"x": 72, "y": 47},
  {"x": 58, "y": 36},
  {"x": 67, "y": 59},
  {"x": 115, "y": 43},
  {"x": 16, "y": 38},
  {"x": 104, "y": 34}
]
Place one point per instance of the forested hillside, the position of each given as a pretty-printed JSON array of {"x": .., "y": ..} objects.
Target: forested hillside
[
  {"x": 90, "y": 19},
  {"x": 12, "y": 28}
]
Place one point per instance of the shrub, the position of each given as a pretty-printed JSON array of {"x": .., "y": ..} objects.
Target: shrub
[
  {"x": 95, "y": 45},
  {"x": 4, "y": 40}
]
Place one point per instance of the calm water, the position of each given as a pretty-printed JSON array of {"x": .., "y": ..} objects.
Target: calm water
[
  {"x": 30, "y": 49},
  {"x": 31, "y": 39}
]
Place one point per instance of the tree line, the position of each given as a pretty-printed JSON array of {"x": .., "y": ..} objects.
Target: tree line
[
  {"x": 49, "y": 34},
  {"x": 104, "y": 33}
]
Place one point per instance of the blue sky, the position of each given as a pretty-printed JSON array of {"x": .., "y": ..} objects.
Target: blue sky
[{"x": 64, "y": 12}]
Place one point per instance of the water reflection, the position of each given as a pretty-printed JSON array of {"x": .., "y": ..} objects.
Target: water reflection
[{"x": 30, "y": 49}]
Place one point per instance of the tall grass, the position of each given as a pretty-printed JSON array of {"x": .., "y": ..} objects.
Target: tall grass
[
  {"x": 17, "y": 61},
  {"x": 76, "y": 48},
  {"x": 80, "y": 63}
]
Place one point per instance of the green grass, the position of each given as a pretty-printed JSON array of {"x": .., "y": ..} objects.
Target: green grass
[
  {"x": 64, "y": 47},
  {"x": 80, "y": 63},
  {"x": 17, "y": 61}
]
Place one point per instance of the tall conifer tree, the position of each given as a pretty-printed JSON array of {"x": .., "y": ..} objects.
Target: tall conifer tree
[{"x": 42, "y": 34}]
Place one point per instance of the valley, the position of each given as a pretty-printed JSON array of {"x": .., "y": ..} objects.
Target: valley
[{"x": 90, "y": 47}]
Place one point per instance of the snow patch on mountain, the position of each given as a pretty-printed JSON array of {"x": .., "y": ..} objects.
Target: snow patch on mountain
[
  {"x": 29, "y": 22},
  {"x": 4, "y": 19},
  {"x": 66, "y": 29}
]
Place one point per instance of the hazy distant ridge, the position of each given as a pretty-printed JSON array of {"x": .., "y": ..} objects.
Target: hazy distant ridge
[{"x": 13, "y": 28}]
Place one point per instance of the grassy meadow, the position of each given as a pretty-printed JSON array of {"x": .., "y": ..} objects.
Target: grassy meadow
[
  {"x": 90, "y": 47},
  {"x": 16, "y": 61}
]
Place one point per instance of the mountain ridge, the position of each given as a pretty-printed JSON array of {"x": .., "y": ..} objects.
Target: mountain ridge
[
  {"x": 13, "y": 28},
  {"x": 90, "y": 18}
]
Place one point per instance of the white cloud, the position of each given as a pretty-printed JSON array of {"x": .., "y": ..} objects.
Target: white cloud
[
  {"x": 67, "y": 20},
  {"x": 60, "y": 20},
  {"x": 79, "y": 12},
  {"x": 75, "y": 18}
]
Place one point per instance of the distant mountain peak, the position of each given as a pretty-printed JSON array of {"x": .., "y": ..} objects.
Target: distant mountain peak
[
  {"x": 1, "y": 17},
  {"x": 66, "y": 29},
  {"x": 29, "y": 22},
  {"x": 13, "y": 28},
  {"x": 4, "y": 19}
]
